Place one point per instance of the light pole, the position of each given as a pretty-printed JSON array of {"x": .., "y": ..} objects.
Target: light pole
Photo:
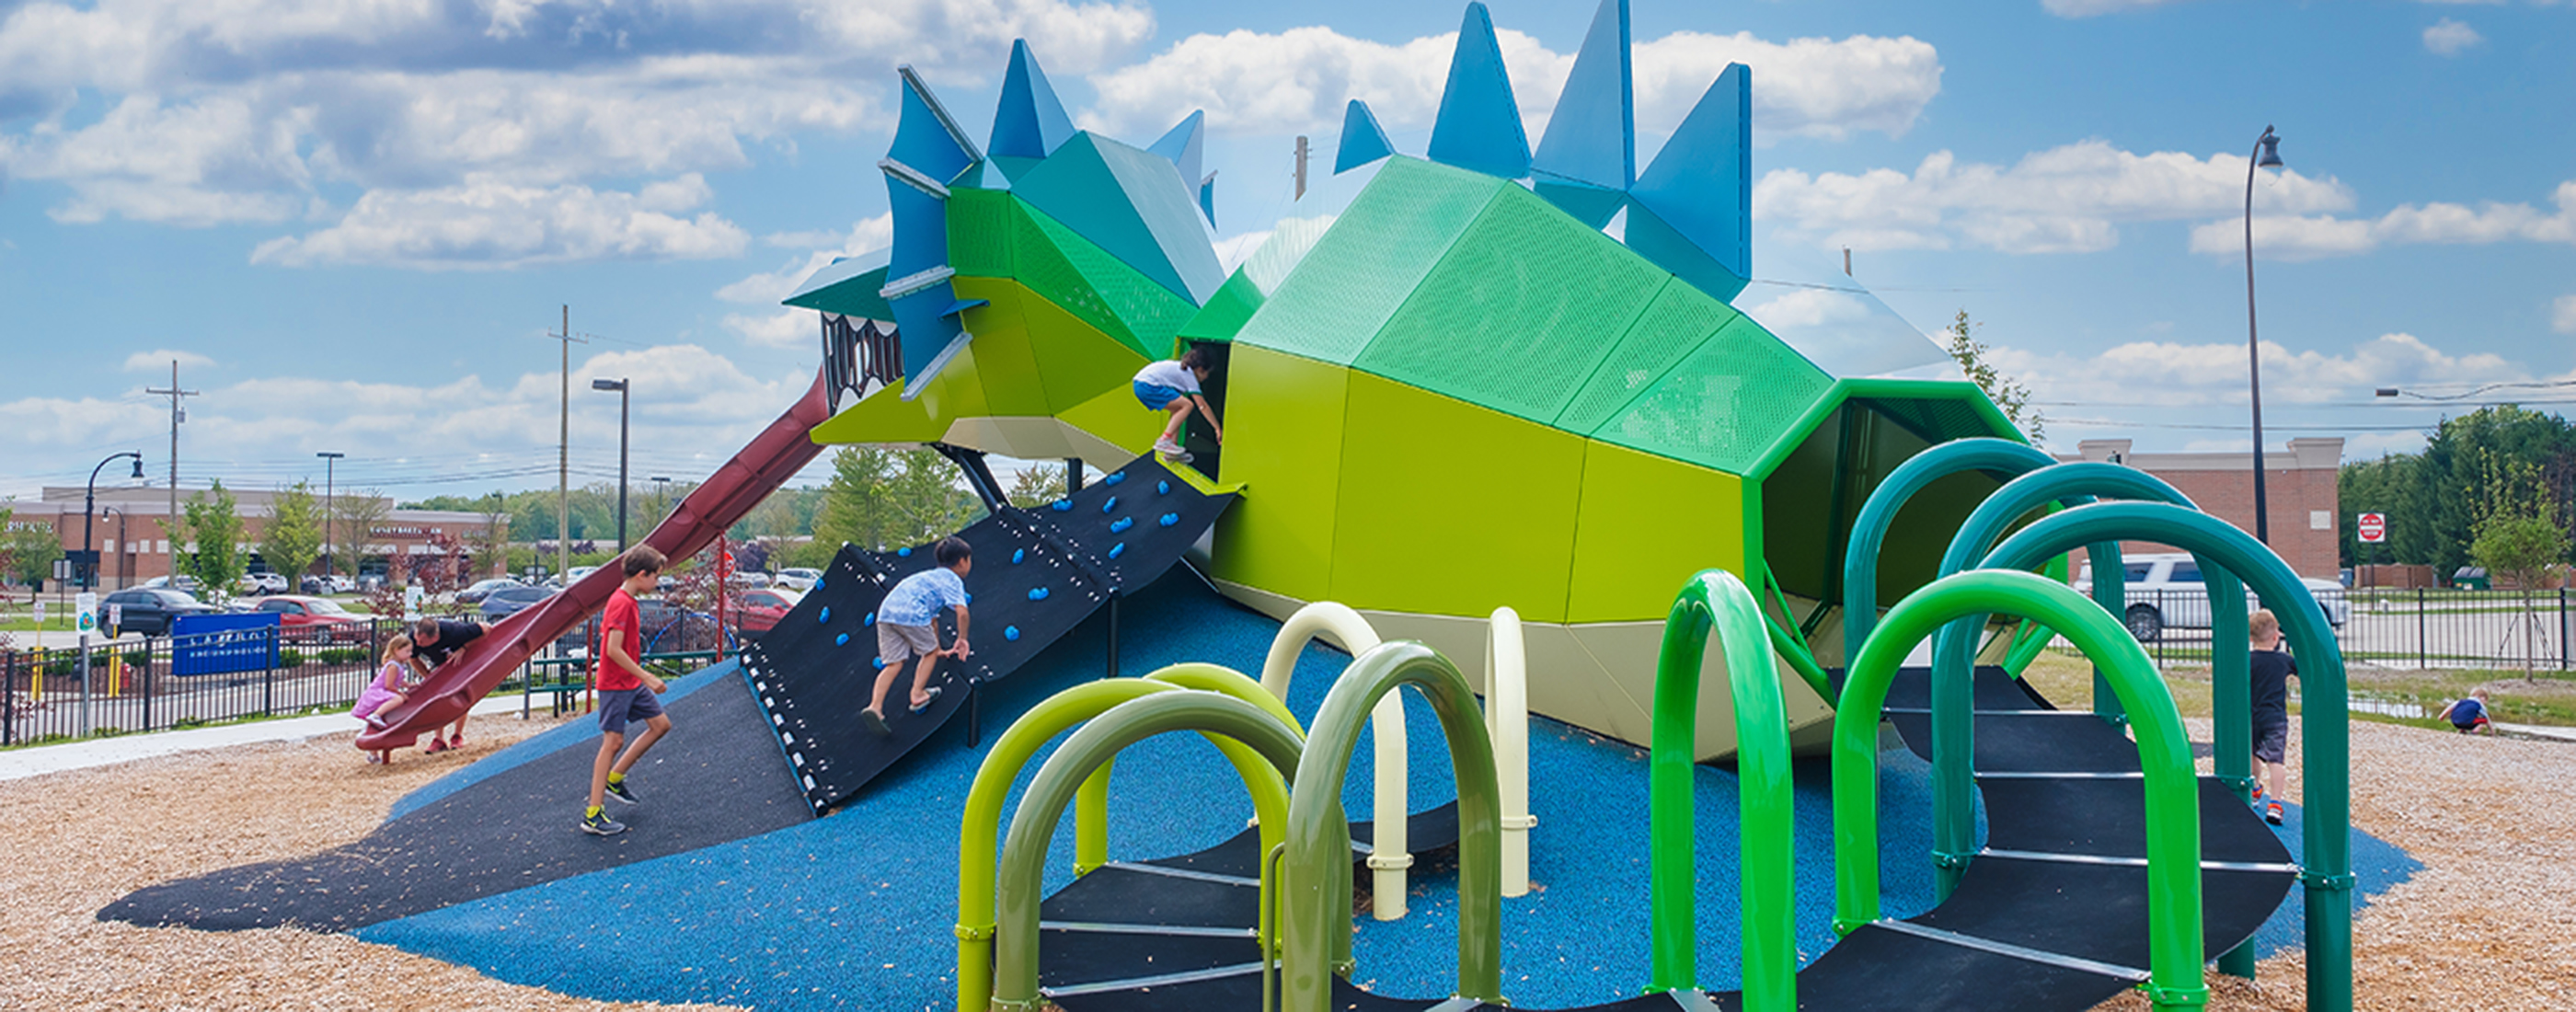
[
  {"x": 329, "y": 461},
  {"x": 661, "y": 497},
  {"x": 2267, "y": 153},
  {"x": 89, "y": 506},
  {"x": 618, "y": 385}
]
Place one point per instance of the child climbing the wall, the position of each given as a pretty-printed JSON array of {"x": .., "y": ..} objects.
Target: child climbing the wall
[
  {"x": 1173, "y": 386},
  {"x": 2272, "y": 668},
  {"x": 908, "y": 628},
  {"x": 390, "y": 688}
]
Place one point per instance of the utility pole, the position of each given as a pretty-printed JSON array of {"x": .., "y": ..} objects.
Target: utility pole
[
  {"x": 330, "y": 462},
  {"x": 170, "y": 522},
  {"x": 563, "y": 458},
  {"x": 1301, "y": 167}
]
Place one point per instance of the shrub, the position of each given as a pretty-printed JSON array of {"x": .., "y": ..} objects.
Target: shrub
[
  {"x": 290, "y": 658},
  {"x": 138, "y": 658}
]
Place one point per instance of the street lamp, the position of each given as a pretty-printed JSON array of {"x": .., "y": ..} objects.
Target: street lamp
[
  {"x": 2267, "y": 153},
  {"x": 661, "y": 497},
  {"x": 329, "y": 460},
  {"x": 89, "y": 505},
  {"x": 618, "y": 385}
]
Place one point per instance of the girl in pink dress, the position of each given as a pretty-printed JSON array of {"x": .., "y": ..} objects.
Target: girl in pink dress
[{"x": 391, "y": 687}]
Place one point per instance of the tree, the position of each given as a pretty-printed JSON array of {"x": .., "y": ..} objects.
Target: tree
[
  {"x": 927, "y": 496},
  {"x": 2008, "y": 394},
  {"x": 28, "y": 550},
  {"x": 1037, "y": 486},
  {"x": 2524, "y": 546},
  {"x": 858, "y": 503},
  {"x": 293, "y": 537},
  {"x": 210, "y": 524},
  {"x": 354, "y": 518},
  {"x": 492, "y": 542}
]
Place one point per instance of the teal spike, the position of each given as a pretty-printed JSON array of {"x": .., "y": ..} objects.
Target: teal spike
[
  {"x": 1184, "y": 143},
  {"x": 1701, "y": 183},
  {"x": 1674, "y": 250},
  {"x": 1592, "y": 137},
  {"x": 1479, "y": 127},
  {"x": 1031, "y": 122},
  {"x": 1591, "y": 205},
  {"x": 1132, "y": 204},
  {"x": 1363, "y": 141},
  {"x": 1207, "y": 198},
  {"x": 926, "y": 138}
]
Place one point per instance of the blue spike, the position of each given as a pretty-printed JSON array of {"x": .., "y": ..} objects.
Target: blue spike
[
  {"x": 1031, "y": 122},
  {"x": 925, "y": 138},
  {"x": 1207, "y": 198},
  {"x": 1363, "y": 141},
  {"x": 1479, "y": 128},
  {"x": 1592, "y": 136},
  {"x": 1701, "y": 183},
  {"x": 1591, "y": 205},
  {"x": 1651, "y": 237},
  {"x": 1183, "y": 144}
]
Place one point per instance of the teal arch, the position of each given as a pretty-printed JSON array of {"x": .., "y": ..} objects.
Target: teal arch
[{"x": 2324, "y": 719}]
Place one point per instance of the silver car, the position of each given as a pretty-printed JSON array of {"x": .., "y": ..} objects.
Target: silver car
[{"x": 2165, "y": 590}]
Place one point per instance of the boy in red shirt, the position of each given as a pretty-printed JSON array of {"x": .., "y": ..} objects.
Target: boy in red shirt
[{"x": 627, "y": 692}]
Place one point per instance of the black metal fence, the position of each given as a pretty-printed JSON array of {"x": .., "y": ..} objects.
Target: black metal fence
[
  {"x": 2420, "y": 628},
  {"x": 148, "y": 684}
]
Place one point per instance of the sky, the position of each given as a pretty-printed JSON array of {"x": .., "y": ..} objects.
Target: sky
[{"x": 355, "y": 223}]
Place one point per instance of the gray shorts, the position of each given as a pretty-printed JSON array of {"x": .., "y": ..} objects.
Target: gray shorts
[
  {"x": 618, "y": 707},
  {"x": 899, "y": 643},
  {"x": 2271, "y": 738}
]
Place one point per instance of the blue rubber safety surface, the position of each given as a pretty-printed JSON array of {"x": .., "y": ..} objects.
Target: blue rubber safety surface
[
  {"x": 569, "y": 734},
  {"x": 854, "y": 910}
]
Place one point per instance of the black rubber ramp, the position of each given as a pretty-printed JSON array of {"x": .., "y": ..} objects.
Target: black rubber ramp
[{"x": 715, "y": 779}]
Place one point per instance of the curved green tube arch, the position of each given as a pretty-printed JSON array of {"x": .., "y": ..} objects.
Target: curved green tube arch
[
  {"x": 2164, "y": 752},
  {"x": 1869, "y": 530},
  {"x": 2325, "y": 730},
  {"x": 1716, "y": 602},
  {"x": 1022, "y": 879},
  {"x": 1091, "y": 806},
  {"x": 1315, "y": 928}
]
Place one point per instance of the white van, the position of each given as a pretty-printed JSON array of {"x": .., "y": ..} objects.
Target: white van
[{"x": 2166, "y": 591}]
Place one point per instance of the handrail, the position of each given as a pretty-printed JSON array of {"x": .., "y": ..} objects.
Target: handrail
[
  {"x": 2325, "y": 731},
  {"x": 1390, "y": 852},
  {"x": 1787, "y": 645},
  {"x": 1221, "y": 717},
  {"x": 1869, "y": 529},
  {"x": 1091, "y": 806},
  {"x": 1316, "y": 922},
  {"x": 980, "y": 821},
  {"x": 1716, "y": 602},
  {"x": 2164, "y": 753},
  {"x": 1507, "y": 724}
]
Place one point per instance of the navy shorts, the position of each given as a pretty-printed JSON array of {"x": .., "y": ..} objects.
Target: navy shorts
[
  {"x": 1155, "y": 395},
  {"x": 620, "y": 706},
  {"x": 2271, "y": 738}
]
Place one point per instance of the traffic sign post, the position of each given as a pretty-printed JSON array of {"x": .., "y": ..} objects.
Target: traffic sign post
[
  {"x": 2373, "y": 528},
  {"x": 87, "y": 606}
]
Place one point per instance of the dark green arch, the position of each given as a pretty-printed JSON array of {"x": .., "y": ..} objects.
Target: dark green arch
[{"x": 1869, "y": 530}]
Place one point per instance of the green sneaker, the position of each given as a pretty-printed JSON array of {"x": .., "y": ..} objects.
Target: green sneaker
[
  {"x": 601, "y": 825},
  {"x": 617, "y": 789}
]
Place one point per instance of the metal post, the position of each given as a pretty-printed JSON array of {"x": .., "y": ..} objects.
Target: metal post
[
  {"x": 621, "y": 466},
  {"x": 1072, "y": 475},
  {"x": 9, "y": 698},
  {"x": 84, "y": 668},
  {"x": 268, "y": 684},
  {"x": 2253, "y": 348},
  {"x": 974, "y": 713},
  {"x": 147, "y": 681},
  {"x": 2562, "y": 628},
  {"x": 2423, "y": 652},
  {"x": 1113, "y": 634}
]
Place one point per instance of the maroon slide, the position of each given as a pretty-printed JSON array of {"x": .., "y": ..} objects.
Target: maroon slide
[{"x": 727, "y": 496}]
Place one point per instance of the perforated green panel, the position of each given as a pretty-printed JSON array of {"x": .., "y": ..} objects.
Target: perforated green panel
[
  {"x": 1368, "y": 263},
  {"x": 979, "y": 232},
  {"x": 1046, "y": 271},
  {"x": 1677, "y": 321},
  {"x": 1514, "y": 319},
  {"x": 1724, "y": 404},
  {"x": 1148, "y": 312}
]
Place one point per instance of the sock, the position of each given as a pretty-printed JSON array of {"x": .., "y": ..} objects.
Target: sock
[
  {"x": 591, "y": 812},
  {"x": 615, "y": 777}
]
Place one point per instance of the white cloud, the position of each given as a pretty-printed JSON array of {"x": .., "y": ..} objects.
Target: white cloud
[
  {"x": 486, "y": 224},
  {"x": 2090, "y": 8},
  {"x": 2063, "y": 200},
  {"x": 2293, "y": 237},
  {"x": 2562, "y": 316},
  {"x": 2173, "y": 374},
  {"x": 1298, "y": 81},
  {"x": 789, "y": 327},
  {"x": 149, "y": 361},
  {"x": 2451, "y": 38},
  {"x": 768, "y": 288}
]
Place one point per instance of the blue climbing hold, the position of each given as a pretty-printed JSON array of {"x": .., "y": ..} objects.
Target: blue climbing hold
[
  {"x": 880, "y": 663},
  {"x": 1121, "y": 525},
  {"x": 841, "y": 640},
  {"x": 871, "y": 619},
  {"x": 903, "y": 553},
  {"x": 818, "y": 584},
  {"x": 1018, "y": 554},
  {"x": 1115, "y": 478},
  {"x": 1163, "y": 487},
  {"x": 827, "y": 613},
  {"x": 970, "y": 598},
  {"x": 1062, "y": 505},
  {"x": 1170, "y": 519},
  {"x": 1110, "y": 505},
  {"x": 1038, "y": 595},
  {"x": 1011, "y": 632},
  {"x": 1118, "y": 549}
]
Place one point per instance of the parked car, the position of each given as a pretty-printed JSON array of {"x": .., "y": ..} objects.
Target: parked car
[
  {"x": 483, "y": 588},
  {"x": 2165, "y": 591},
  {"x": 666, "y": 628},
  {"x": 263, "y": 583},
  {"x": 329, "y": 583},
  {"x": 761, "y": 609},
  {"x": 799, "y": 579},
  {"x": 748, "y": 578},
  {"x": 314, "y": 619},
  {"x": 508, "y": 601},
  {"x": 150, "y": 610},
  {"x": 181, "y": 582}
]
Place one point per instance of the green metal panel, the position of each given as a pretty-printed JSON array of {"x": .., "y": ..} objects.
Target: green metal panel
[
  {"x": 1075, "y": 360},
  {"x": 1363, "y": 269},
  {"x": 979, "y": 232},
  {"x": 1724, "y": 404},
  {"x": 1131, "y": 202},
  {"x": 856, "y": 296},
  {"x": 1047, "y": 271},
  {"x": 1148, "y": 313},
  {"x": 1226, "y": 312},
  {"x": 1627, "y": 551},
  {"x": 1284, "y": 419},
  {"x": 1519, "y": 312},
  {"x": 1679, "y": 320},
  {"x": 1008, "y": 365}
]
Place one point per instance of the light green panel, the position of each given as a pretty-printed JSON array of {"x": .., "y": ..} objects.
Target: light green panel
[
  {"x": 1677, "y": 321},
  {"x": 979, "y": 232},
  {"x": 1048, "y": 272},
  {"x": 1368, "y": 263},
  {"x": 1149, "y": 312},
  {"x": 1725, "y": 404},
  {"x": 1226, "y": 311},
  {"x": 1451, "y": 509},
  {"x": 1284, "y": 423},
  {"x": 1647, "y": 524},
  {"x": 1520, "y": 311},
  {"x": 1074, "y": 359},
  {"x": 1007, "y": 366}
]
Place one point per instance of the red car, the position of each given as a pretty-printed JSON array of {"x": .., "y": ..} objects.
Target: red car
[
  {"x": 314, "y": 619},
  {"x": 762, "y": 609}
]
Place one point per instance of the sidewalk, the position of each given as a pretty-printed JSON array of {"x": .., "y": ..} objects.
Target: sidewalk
[
  {"x": 38, "y": 761},
  {"x": 2538, "y": 730}
]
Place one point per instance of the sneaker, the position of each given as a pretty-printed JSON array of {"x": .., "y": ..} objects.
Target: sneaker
[
  {"x": 1172, "y": 452},
  {"x": 436, "y": 745},
  {"x": 2258, "y": 792},
  {"x": 601, "y": 825},
  {"x": 617, "y": 789},
  {"x": 2272, "y": 813}
]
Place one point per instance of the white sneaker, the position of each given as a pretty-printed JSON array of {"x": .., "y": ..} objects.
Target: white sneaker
[{"x": 1171, "y": 452}]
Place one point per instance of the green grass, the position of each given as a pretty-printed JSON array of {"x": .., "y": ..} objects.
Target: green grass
[
  {"x": 181, "y": 724},
  {"x": 2550, "y": 698}
]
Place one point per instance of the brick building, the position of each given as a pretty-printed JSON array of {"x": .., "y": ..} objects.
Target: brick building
[
  {"x": 2299, "y": 490},
  {"x": 129, "y": 530}
]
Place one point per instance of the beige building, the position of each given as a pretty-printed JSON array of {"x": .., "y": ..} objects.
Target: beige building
[
  {"x": 129, "y": 529},
  {"x": 2299, "y": 490}
]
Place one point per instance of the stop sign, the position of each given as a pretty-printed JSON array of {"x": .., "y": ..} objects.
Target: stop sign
[{"x": 2374, "y": 527}]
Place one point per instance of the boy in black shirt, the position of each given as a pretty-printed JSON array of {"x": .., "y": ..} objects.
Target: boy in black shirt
[
  {"x": 433, "y": 641},
  {"x": 2272, "y": 668}
]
